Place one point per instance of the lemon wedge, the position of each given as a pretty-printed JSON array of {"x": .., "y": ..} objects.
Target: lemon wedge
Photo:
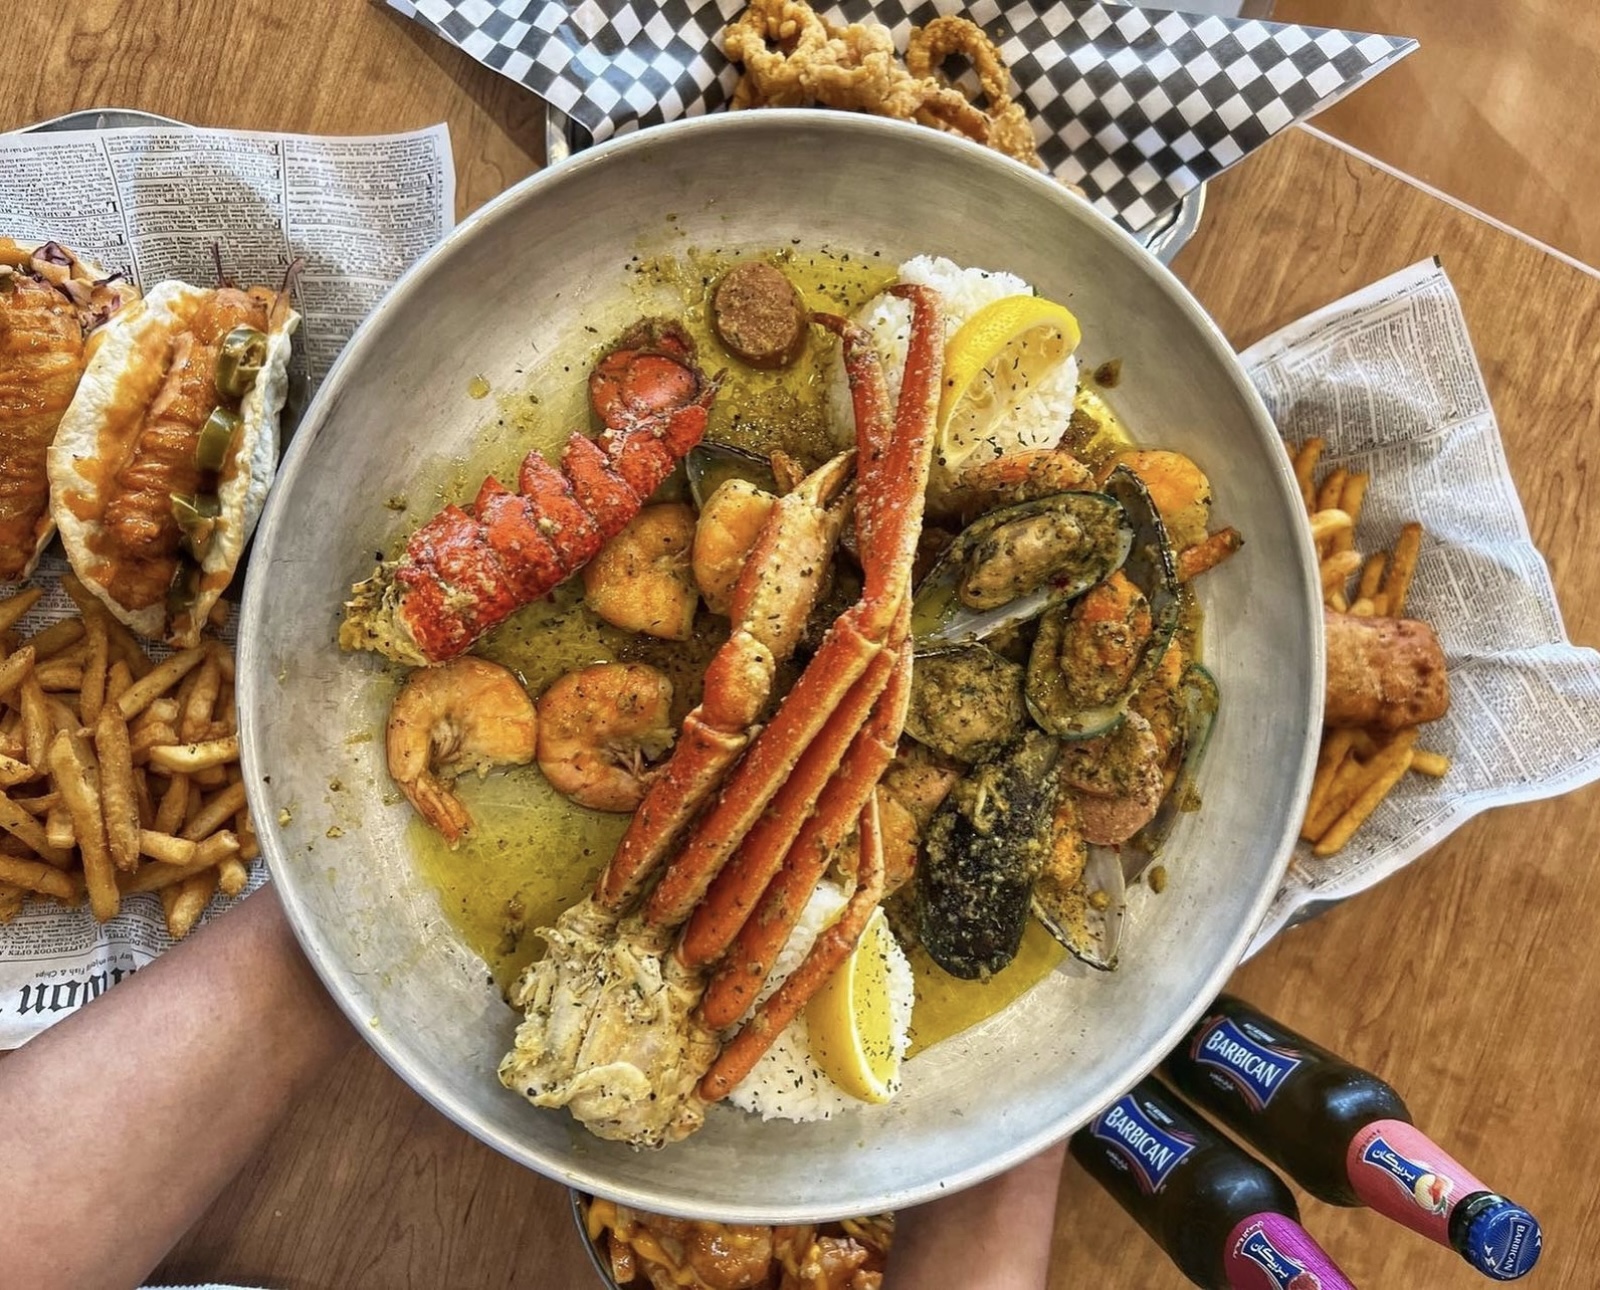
[
  {"x": 850, "y": 1020},
  {"x": 992, "y": 362}
]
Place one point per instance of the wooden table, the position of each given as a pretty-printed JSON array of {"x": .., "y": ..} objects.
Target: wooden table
[{"x": 1467, "y": 981}]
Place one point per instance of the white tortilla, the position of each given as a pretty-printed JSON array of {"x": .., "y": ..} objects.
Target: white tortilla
[
  {"x": 92, "y": 272},
  {"x": 121, "y": 360}
]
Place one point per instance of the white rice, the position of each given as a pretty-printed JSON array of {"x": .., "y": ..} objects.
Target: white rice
[
  {"x": 786, "y": 1084},
  {"x": 1038, "y": 416}
]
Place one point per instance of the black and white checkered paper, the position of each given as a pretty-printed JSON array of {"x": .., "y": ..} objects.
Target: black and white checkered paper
[{"x": 1137, "y": 106}]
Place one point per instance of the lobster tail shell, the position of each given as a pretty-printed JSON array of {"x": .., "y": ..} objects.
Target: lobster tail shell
[{"x": 467, "y": 570}]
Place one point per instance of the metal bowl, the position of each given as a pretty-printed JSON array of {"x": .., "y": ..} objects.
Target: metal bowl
[{"x": 512, "y": 284}]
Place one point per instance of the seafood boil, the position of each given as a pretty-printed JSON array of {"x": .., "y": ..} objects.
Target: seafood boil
[{"x": 944, "y": 679}]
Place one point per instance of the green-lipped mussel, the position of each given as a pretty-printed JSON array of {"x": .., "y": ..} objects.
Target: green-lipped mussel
[{"x": 1014, "y": 563}]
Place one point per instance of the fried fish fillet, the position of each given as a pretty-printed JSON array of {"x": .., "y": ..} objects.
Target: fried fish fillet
[{"x": 1383, "y": 673}]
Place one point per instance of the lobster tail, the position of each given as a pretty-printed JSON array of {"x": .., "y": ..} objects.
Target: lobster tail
[{"x": 466, "y": 571}]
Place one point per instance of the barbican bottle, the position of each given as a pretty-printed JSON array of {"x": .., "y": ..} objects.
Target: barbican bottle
[
  {"x": 1344, "y": 1135},
  {"x": 1222, "y": 1216}
]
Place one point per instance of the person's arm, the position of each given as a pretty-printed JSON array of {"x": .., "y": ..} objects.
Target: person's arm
[
  {"x": 995, "y": 1236},
  {"x": 124, "y": 1121}
]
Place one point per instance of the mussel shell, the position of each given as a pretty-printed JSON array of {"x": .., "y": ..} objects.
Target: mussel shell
[
  {"x": 982, "y": 851},
  {"x": 966, "y": 703},
  {"x": 1091, "y": 935},
  {"x": 939, "y": 619},
  {"x": 1152, "y": 568},
  {"x": 710, "y": 464}
]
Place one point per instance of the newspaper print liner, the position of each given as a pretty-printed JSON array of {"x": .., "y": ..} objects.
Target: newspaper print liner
[
  {"x": 1136, "y": 106},
  {"x": 1388, "y": 376}
]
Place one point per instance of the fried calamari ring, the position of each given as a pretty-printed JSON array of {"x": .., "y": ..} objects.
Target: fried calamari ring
[{"x": 794, "y": 58}]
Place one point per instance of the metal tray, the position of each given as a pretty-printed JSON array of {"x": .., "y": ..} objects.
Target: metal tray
[
  {"x": 100, "y": 119},
  {"x": 1163, "y": 238}
]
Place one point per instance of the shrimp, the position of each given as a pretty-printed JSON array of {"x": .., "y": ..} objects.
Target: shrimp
[
  {"x": 730, "y": 523},
  {"x": 598, "y": 727},
  {"x": 466, "y": 714},
  {"x": 1178, "y": 489},
  {"x": 640, "y": 579},
  {"x": 1016, "y": 477}
]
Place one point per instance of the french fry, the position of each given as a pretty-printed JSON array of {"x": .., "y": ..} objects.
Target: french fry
[
  {"x": 1347, "y": 784},
  {"x": 249, "y": 844},
  {"x": 59, "y": 830},
  {"x": 157, "y": 734},
  {"x": 166, "y": 848},
  {"x": 1335, "y": 748},
  {"x": 1397, "y": 584},
  {"x": 225, "y": 663},
  {"x": 117, "y": 754},
  {"x": 1372, "y": 576},
  {"x": 1430, "y": 763},
  {"x": 40, "y": 805},
  {"x": 118, "y": 678},
  {"x": 174, "y": 806},
  {"x": 1350, "y": 502},
  {"x": 62, "y": 716},
  {"x": 1305, "y": 462},
  {"x": 215, "y": 813},
  {"x": 159, "y": 712},
  {"x": 1336, "y": 571},
  {"x": 188, "y": 759},
  {"x": 37, "y": 730},
  {"x": 74, "y": 780},
  {"x": 14, "y": 772},
  {"x": 126, "y": 648},
  {"x": 1363, "y": 608},
  {"x": 193, "y": 897},
  {"x": 37, "y": 876},
  {"x": 57, "y": 675},
  {"x": 144, "y": 798},
  {"x": 160, "y": 679},
  {"x": 1384, "y": 772},
  {"x": 1328, "y": 524},
  {"x": 155, "y": 877},
  {"x": 13, "y": 607},
  {"x": 232, "y": 875},
  {"x": 217, "y": 847},
  {"x": 119, "y": 803},
  {"x": 92, "y": 690},
  {"x": 1332, "y": 490},
  {"x": 15, "y": 667},
  {"x": 202, "y": 700},
  {"x": 1337, "y": 601},
  {"x": 56, "y": 637},
  {"x": 27, "y": 830}
]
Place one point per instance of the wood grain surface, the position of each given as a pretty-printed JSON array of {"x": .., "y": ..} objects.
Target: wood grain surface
[
  {"x": 1497, "y": 107},
  {"x": 1468, "y": 981}
]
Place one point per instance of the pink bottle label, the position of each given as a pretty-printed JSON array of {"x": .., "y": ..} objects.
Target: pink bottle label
[
  {"x": 1402, "y": 1174},
  {"x": 1273, "y": 1252}
]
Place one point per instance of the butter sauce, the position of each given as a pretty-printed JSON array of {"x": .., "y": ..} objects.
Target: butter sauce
[{"x": 532, "y": 853}]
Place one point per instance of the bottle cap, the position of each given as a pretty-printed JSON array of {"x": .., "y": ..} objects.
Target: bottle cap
[{"x": 1503, "y": 1242}]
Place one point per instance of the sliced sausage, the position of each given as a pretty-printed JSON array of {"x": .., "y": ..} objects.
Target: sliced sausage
[{"x": 758, "y": 315}]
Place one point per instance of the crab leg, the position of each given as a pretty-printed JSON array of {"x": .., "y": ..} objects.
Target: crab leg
[
  {"x": 737, "y": 888},
  {"x": 760, "y": 938},
  {"x": 793, "y": 548},
  {"x": 831, "y": 949},
  {"x": 892, "y": 473}
]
